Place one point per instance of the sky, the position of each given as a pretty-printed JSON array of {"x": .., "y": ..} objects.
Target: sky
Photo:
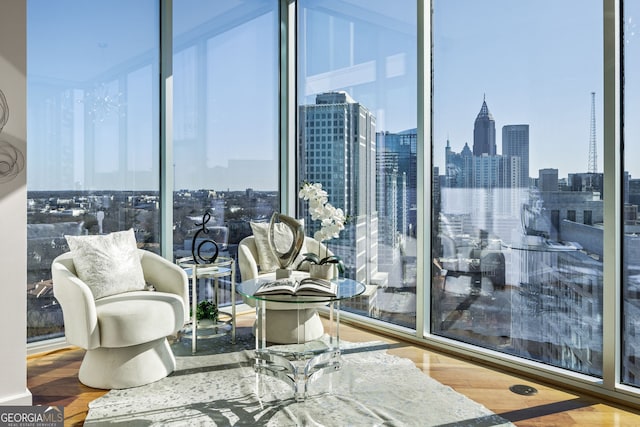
[
  {"x": 631, "y": 131},
  {"x": 533, "y": 62},
  {"x": 71, "y": 43}
]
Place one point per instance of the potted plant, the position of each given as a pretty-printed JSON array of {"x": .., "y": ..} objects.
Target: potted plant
[
  {"x": 332, "y": 221},
  {"x": 206, "y": 313},
  {"x": 323, "y": 268}
]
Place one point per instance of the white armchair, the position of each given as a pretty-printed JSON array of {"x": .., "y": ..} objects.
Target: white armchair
[
  {"x": 285, "y": 324},
  {"x": 125, "y": 334}
]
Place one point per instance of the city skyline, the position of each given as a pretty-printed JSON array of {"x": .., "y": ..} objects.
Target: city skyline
[
  {"x": 540, "y": 75},
  {"x": 534, "y": 64}
]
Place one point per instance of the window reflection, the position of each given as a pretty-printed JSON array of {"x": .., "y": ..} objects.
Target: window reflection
[
  {"x": 357, "y": 136},
  {"x": 517, "y": 218},
  {"x": 92, "y": 120},
  {"x": 225, "y": 123},
  {"x": 631, "y": 198}
]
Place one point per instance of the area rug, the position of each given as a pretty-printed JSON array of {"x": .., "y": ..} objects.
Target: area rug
[{"x": 219, "y": 387}]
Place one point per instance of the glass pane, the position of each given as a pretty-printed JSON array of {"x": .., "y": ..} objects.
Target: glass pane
[
  {"x": 93, "y": 139},
  {"x": 517, "y": 212},
  {"x": 357, "y": 100},
  {"x": 631, "y": 196},
  {"x": 225, "y": 121}
]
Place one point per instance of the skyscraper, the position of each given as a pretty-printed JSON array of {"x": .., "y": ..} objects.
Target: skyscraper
[
  {"x": 391, "y": 204},
  {"x": 338, "y": 150},
  {"x": 459, "y": 167},
  {"x": 403, "y": 145},
  {"x": 484, "y": 132},
  {"x": 487, "y": 171},
  {"x": 396, "y": 193},
  {"x": 515, "y": 143},
  {"x": 548, "y": 179}
]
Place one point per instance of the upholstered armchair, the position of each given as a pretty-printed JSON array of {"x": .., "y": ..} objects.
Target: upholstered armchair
[
  {"x": 285, "y": 323},
  {"x": 125, "y": 334}
]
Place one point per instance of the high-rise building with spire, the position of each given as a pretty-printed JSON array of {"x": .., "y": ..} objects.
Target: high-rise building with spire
[
  {"x": 484, "y": 132},
  {"x": 484, "y": 167}
]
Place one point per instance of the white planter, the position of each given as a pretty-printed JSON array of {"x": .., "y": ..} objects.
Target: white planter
[
  {"x": 207, "y": 323},
  {"x": 323, "y": 271}
]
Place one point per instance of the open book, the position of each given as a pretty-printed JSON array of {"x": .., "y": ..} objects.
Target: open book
[{"x": 306, "y": 287}]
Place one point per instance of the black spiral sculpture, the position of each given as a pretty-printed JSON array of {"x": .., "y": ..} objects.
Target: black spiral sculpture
[
  {"x": 195, "y": 251},
  {"x": 11, "y": 158}
]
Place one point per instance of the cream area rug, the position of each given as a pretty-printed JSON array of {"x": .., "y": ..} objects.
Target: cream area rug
[{"x": 219, "y": 387}]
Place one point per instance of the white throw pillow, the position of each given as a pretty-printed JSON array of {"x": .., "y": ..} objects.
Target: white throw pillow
[
  {"x": 109, "y": 264},
  {"x": 267, "y": 260}
]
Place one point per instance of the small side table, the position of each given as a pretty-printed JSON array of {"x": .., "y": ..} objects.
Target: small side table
[{"x": 221, "y": 267}]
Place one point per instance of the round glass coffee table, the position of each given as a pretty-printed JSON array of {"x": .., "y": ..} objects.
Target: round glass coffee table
[{"x": 297, "y": 363}]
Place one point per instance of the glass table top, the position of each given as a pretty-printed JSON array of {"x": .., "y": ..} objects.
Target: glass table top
[
  {"x": 347, "y": 288},
  {"x": 222, "y": 265}
]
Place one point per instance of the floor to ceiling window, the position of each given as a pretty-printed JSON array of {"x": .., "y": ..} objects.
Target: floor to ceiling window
[
  {"x": 516, "y": 133},
  {"x": 357, "y": 136},
  {"x": 517, "y": 148},
  {"x": 225, "y": 120},
  {"x": 631, "y": 197},
  {"x": 93, "y": 152}
]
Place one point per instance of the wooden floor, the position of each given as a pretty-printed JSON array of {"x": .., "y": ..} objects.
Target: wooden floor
[{"x": 52, "y": 379}]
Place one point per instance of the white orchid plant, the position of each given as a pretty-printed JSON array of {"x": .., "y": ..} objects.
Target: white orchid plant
[{"x": 332, "y": 220}]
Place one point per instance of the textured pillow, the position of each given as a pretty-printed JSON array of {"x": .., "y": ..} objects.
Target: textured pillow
[
  {"x": 267, "y": 260},
  {"x": 109, "y": 264}
]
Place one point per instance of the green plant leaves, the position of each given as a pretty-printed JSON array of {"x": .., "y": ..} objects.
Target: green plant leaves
[{"x": 207, "y": 310}]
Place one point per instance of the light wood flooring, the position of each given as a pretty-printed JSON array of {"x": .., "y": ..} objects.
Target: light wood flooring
[{"x": 52, "y": 379}]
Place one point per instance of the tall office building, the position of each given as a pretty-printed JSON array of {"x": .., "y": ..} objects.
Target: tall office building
[
  {"x": 459, "y": 167},
  {"x": 590, "y": 181},
  {"x": 338, "y": 149},
  {"x": 396, "y": 193},
  {"x": 404, "y": 146},
  {"x": 484, "y": 132},
  {"x": 515, "y": 143},
  {"x": 391, "y": 199},
  {"x": 548, "y": 179},
  {"x": 488, "y": 171}
]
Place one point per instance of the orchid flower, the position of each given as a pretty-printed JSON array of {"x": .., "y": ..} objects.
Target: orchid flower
[{"x": 331, "y": 219}]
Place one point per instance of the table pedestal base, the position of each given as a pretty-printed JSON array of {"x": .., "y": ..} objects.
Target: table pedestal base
[
  {"x": 307, "y": 360},
  {"x": 297, "y": 369},
  {"x": 298, "y": 364}
]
